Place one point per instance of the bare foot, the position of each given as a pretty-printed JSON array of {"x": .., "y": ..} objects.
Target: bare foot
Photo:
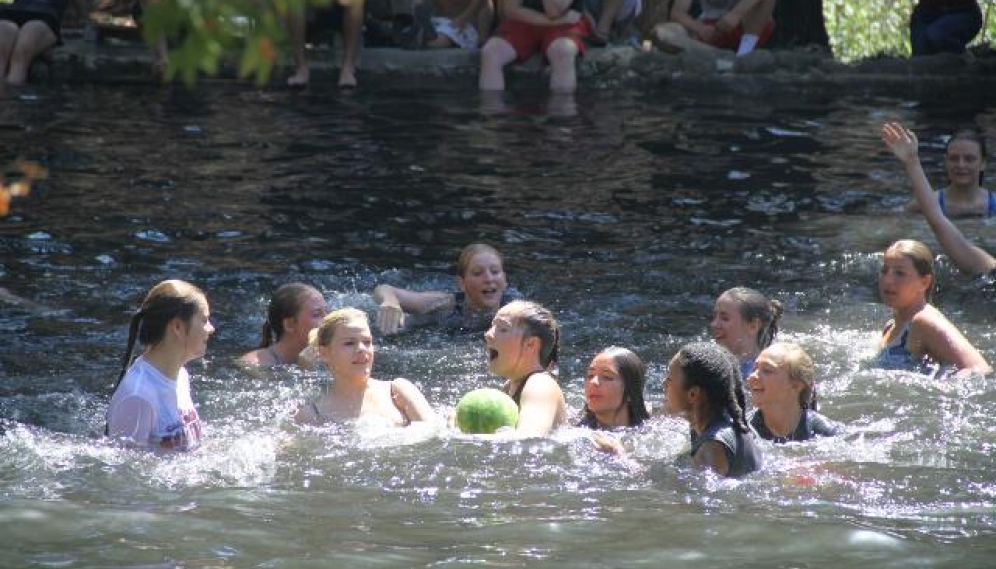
[
  {"x": 347, "y": 78},
  {"x": 300, "y": 79}
]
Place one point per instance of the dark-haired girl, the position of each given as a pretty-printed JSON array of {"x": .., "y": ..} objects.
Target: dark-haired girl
[
  {"x": 613, "y": 390},
  {"x": 151, "y": 406},
  {"x": 965, "y": 165},
  {"x": 294, "y": 311},
  {"x": 522, "y": 345},
  {"x": 745, "y": 322},
  {"x": 783, "y": 388},
  {"x": 703, "y": 386}
]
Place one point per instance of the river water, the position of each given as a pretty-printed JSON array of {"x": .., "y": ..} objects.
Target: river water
[{"x": 625, "y": 212}]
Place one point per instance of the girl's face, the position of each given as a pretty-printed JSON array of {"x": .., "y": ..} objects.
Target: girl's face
[
  {"x": 197, "y": 331},
  {"x": 730, "y": 329},
  {"x": 350, "y": 352},
  {"x": 483, "y": 281},
  {"x": 676, "y": 400},
  {"x": 505, "y": 344},
  {"x": 770, "y": 384},
  {"x": 964, "y": 162},
  {"x": 899, "y": 284},
  {"x": 604, "y": 388},
  {"x": 308, "y": 317}
]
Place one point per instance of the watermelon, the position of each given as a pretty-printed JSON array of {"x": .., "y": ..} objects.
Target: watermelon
[{"x": 484, "y": 411}]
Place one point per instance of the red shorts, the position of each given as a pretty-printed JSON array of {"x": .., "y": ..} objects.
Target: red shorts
[
  {"x": 527, "y": 39},
  {"x": 731, "y": 39}
]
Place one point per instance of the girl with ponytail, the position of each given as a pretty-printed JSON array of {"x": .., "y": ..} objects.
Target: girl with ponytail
[
  {"x": 745, "y": 322},
  {"x": 522, "y": 345},
  {"x": 783, "y": 388},
  {"x": 294, "y": 311},
  {"x": 151, "y": 406},
  {"x": 703, "y": 386}
]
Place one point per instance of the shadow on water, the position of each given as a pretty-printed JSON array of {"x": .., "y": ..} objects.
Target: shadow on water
[{"x": 626, "y": 213}]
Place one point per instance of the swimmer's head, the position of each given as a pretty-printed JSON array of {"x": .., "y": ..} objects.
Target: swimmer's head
[
  {"x": 965, "y": 155},
  {"x": 297, "y": 301},
  {"x": 742, "y": 310},
  {"x": 919, "y": 256},
  {"x": 799, "y": 368},
  {"x": 481, "y": 276},
  {"x": 323, "y": 335}
]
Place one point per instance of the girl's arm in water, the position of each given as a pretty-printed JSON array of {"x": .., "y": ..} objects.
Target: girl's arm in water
[
  {"x": 393, "y": 302},
  {"x": 963, "y": 253},
  {"x": 712, "y": 455},
  {"x": 410, "y": 401},
  {"x": 943, "y": 342}
]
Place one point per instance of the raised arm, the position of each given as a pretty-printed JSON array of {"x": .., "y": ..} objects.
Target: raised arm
[{"x": 965, "y": 255}]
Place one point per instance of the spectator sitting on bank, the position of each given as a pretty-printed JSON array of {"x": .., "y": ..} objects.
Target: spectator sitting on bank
[
  {"x": 740, "y": 25},
  {"x": 461, "y": 23},
  {"x": 28, "y": 28},
  {"x": 555, "y": 28},
  {"x": 345, "y": 13},
  {"x": 611, "y": 19},
  {"x": 944, "y": 26}
]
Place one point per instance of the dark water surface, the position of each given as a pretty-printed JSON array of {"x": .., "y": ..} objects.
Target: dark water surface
[{"x": 626, "y": 213}]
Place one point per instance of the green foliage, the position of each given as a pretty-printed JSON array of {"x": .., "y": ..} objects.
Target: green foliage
[
  {"x": 204, "y": 33},
  {"x": 860, "y": 29}
]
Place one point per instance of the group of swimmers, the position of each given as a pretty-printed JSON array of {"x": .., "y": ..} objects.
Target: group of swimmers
[{"x": 706, "y": 382}]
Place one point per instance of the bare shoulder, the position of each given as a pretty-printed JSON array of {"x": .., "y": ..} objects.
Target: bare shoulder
[{"x": 541, "y": 384}]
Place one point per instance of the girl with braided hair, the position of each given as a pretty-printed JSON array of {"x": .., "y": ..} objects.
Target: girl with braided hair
[
  {"x": 151, "y": 406},
  {"x": 294, "y": 311},
  {"x": 522, "y": 345},
  {"x": 703, "y": 386},
  {"x": 745, "y": 322}
]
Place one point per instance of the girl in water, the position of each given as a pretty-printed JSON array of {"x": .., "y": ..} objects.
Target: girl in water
[
  {"x": 745, "y": 322},
  {"x": 703, "y": 386},
  {"x": 965, "y": 255},
  {"x": 522, "y": 345},
  {"x": 965, "y": 163},
  {"x": 482, "y": 291},
  {"x": 345, "y": 345},
  {"x": 613, "y": 390},
  {"x": 783, "y": 388},
  {"x": 295, "y": 310},
  {"x": 918, "y": 331},
  {"x": 151, "y": 406}
]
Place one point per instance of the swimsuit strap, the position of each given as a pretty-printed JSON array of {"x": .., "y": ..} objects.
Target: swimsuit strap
[
  {"x": 992, "y": 204},
  {"x": 314, "y": 407},
  {"x": 518, "y": 392},
  {"x": 940, "y": 201},
  {"x": 276, "y": 356}
]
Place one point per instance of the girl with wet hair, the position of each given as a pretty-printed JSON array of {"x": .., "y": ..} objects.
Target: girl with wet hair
[
  {"x": 745, "y": 322},
  {"x": 482, "y": 290},
  {"x": 151, "y": 406},
  {"x": 523, "y": 344},
  {"x": 345, "y": 345},
  {"x": 918, "y": 332},
  {"x": 613, "y": 390},
  {"x": 965, "y": 165},
  {"x": 783, "y": 388},
  {"x": 703, "y": 386},
  {"x": 967, "y": 256},
  {"x": 294, "y": 311}
]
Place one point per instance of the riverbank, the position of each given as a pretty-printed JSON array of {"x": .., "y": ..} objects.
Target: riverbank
[{"x": 118, "y": 57}]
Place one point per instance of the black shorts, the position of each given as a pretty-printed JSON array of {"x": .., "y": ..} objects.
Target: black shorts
[
  {"x": 48, "y": 11},
  {"x": 323, "y": 22}
]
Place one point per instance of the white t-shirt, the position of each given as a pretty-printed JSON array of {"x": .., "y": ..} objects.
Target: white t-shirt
[{"x": 152, "y": 409}]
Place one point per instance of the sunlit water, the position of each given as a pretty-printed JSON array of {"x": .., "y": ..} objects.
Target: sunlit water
[{"x": 625, "y": 213}]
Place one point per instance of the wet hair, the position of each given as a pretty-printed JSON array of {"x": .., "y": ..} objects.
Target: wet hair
[
  {"x": 322, "y": 335},
  {"x": 633, "y": 373},
  {"x": 755, "y": 306},
  {"x": 800, "y": 367},
  {"x": 971, "y": 135},
  {"x": 468, "y": 253},
  {"x": 921, "y": 257},
  {"x": 167, "y": 300},
  {"x": 716, "y": 371},
  {"x": 286, "y": 302},
  {"x": 537, "y": 322}
]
